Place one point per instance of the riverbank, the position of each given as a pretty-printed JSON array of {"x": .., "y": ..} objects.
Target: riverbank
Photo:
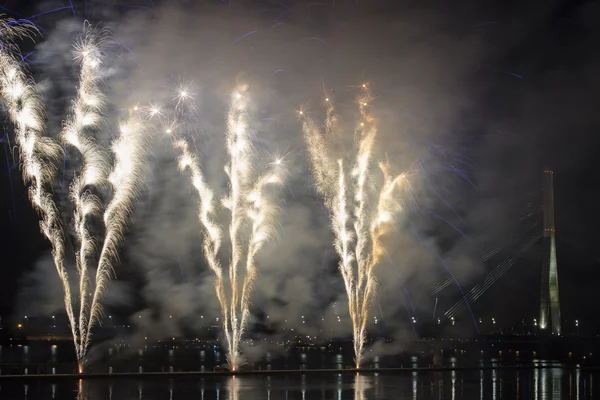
[{"x": 369, "y": 371}]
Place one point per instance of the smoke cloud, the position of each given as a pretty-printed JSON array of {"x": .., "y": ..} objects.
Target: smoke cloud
[{"x": 472, "y": 164}]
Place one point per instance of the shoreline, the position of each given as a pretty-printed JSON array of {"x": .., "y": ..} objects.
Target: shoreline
[{"x": 129, "y": 375}]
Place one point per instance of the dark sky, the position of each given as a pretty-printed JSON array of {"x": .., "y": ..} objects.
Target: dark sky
[{"x": 527, "y": 72}]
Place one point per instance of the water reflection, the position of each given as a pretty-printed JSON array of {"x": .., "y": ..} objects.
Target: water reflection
[
  {"x": 481, "y": 385},
  {"x": 577, "y": 381},
  {"x": 453, "y": 385},
  {"x": 303, "y": 387},
  {"x": 81, "y": 393},
  {"x": 518, "y": 384},
  {"x": 414, "y": 385},
  {"x": 140, "y": 390},
  {"x": 361, "y": 384},
  {"x": 233, "y": 387},
  {"x": 494, "y": 383},
  {"x": 543, "y": 383},
  {"x": 536, "y": 383}
]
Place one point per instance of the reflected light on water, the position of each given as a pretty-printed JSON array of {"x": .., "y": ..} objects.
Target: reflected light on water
[
  {"x": 202, "y": 388},
  {"x": 557, "y": 377},
  {"x": 536, "y": 384},
  {"x": 577, "y": 382},
  {"x": 453, "y": 385},
  {"x": 81, "y": 393},
  {"x": 545, "y": 383},
  {"x": 303, "y": 387},
  {"x": 518, "y": 389},
  {"x": 481, "y": 385},
  {"x": 233, "y": 387},
  {"x": 494, "y": 383},
  {"x": 361, "y": 384},
  {"x": 414, "y": 385},
  {"x": 591, "y": 386},
  {"x": 268, "y": 388}
]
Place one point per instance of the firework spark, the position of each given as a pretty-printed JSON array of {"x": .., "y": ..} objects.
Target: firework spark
[
  {"x": 359, "y": 247},
  {"x": 251, "y": 214}
]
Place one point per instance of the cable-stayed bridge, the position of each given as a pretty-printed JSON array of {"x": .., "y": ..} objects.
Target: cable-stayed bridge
[{"x": 533, "y": 223}]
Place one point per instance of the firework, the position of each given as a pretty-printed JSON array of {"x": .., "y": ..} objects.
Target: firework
[
  {"x": 129, "y": 153},
  {"x": 250, "y": 209},
  {"x": 85, "y": 116},
  {"x": 123, "y": 179},
  {"x": 39, "y": 155},
  {"x": 357, "y": 233}
]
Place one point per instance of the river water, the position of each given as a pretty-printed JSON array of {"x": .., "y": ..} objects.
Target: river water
[
  {"x": 531, "y": 383},
  {"x": 551, "y": 381}
]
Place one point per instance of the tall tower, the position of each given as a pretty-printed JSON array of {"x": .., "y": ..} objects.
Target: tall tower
[{"x": 549, "y": 300}]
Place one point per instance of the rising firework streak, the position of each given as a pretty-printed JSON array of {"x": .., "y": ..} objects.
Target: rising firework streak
[
  {"x": 37, "y": 152},
  {"x": 357, "y": 223},
  {"x": 39, "y": 155},
  {"x": 251, "y": 211}
]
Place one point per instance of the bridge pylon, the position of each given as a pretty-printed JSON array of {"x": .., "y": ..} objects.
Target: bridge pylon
[{"x": 549, "y": 297}]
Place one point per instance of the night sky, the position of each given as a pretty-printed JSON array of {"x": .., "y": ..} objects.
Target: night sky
[{"x": 521, "y": 78}]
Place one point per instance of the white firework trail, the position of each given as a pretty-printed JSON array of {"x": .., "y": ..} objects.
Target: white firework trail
[
  {"x": 129, "y": 151},
  {"x": 38, "y": 153},
  {"x": 359, "y": 249},
  {"x": 86, "y": 116},
  {"x": 213, "y": 234},
  {"x": 251, "y": 215}
]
